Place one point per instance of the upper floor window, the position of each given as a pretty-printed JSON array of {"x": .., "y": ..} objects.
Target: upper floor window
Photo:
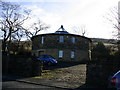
[
  {"x": 60, "y": 54},
  {"x": 72, "y": 54},
  {"x": 42, "y": 40},
  {"x": 61, "y": 39},
  {"x": 73, "y": 39}
]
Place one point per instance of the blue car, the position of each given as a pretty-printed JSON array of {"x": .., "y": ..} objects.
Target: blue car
[
  {"x": 115, "y": 81},
  {"x": 47, "y": 59}
]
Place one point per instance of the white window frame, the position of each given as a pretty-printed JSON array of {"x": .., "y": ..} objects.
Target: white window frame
[
  {"x": 60, "y": 53},
  {"x": 73, "y": 39},
  {"x": 42, "y": 40},
  {"x": 61, "y": 39},
  {"x": 72, "y": 54}
]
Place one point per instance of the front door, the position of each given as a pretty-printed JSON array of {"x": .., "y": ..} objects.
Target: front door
[{"x": 40, "y": 53}]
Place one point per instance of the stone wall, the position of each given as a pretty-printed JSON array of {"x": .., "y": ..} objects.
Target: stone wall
[
  {"x": 51, "y": 46},
  {"x": 79, "y": 55},
  {"x": 98, "y": 73},
  {"x": 52, "y": 41},
  {"x": 21, "y": 65}
]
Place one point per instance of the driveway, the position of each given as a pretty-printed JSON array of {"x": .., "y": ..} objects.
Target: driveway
[{"x": 73, "y": 74}]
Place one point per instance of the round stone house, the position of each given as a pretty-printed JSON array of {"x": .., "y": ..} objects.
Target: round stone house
[{"x": 62, "y": 45}]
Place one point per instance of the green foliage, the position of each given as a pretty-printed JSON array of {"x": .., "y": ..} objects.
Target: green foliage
[
  {"x": 117, "y": 55},
  {"x": 99, "y": 51}
]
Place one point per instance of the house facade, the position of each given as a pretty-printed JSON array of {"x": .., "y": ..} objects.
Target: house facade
[{"x": 62, "y": 46}]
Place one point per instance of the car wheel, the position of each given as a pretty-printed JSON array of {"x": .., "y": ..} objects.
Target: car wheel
[{"x": 49, "y": 63}]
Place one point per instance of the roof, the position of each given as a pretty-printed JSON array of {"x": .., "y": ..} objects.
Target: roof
[{"x": 62, "y": 31}]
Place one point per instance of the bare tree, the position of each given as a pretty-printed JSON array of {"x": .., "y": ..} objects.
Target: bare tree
[
  {"x": 11, "y": 20},
  {"x": 81, "y": 30},
  {"x": 35, "y": 28},
  {"x": 113, "y": 16},
  {"x": 17, "y": 37}
]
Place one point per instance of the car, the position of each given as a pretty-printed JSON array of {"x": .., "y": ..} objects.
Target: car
[
  {"x": 47, "y": 59},
  {"x": 115, "y": 81}
]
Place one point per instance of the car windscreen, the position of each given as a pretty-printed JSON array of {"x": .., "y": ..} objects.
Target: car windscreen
[{"x": 51, "y": 57}]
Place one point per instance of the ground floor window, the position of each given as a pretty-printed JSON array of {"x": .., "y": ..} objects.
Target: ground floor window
[
  {"x": 60, "y": 53},
  {"x": 72, "y": 54}
]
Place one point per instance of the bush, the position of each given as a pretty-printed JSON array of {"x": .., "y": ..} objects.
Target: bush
[
  {"x": 117, "y": 55},
  {"x": 22, "y": 65},
  {"x": 99, "y": 52}
]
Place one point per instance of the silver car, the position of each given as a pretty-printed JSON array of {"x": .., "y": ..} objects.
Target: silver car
[{"x": 115, "y": 81}]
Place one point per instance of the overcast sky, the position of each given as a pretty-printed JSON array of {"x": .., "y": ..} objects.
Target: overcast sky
[{"x": 73, "y": 13}]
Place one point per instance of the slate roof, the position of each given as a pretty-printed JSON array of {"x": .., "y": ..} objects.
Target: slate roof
[{"x": 62, "y": 31}]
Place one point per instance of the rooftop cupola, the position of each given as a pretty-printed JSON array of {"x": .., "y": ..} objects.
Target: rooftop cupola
[{"x": 61, "y": 30}]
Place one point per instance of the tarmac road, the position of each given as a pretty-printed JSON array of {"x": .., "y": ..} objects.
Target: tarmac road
[{"x": 8, "y": 84}]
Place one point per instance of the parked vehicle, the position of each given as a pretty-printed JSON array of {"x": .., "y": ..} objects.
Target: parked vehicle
[
  {"x": 47, "y": 59},
  {"x": 115, "y": 81}
]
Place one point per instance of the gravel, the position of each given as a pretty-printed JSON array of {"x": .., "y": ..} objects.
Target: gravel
[{"x": 74, "y": 75}]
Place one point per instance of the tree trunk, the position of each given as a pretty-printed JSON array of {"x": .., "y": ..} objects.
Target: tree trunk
[{"x": 3, "y": 46}]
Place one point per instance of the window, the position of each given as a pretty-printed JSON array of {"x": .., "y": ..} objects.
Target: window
[
  {"x": 61, "y": 39},
  {"x": 73, "y": 39},
  {"x": 60, "y": 54},
  {"x": 42, "y": 41},
  {"x": 72, "y": 54}
]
